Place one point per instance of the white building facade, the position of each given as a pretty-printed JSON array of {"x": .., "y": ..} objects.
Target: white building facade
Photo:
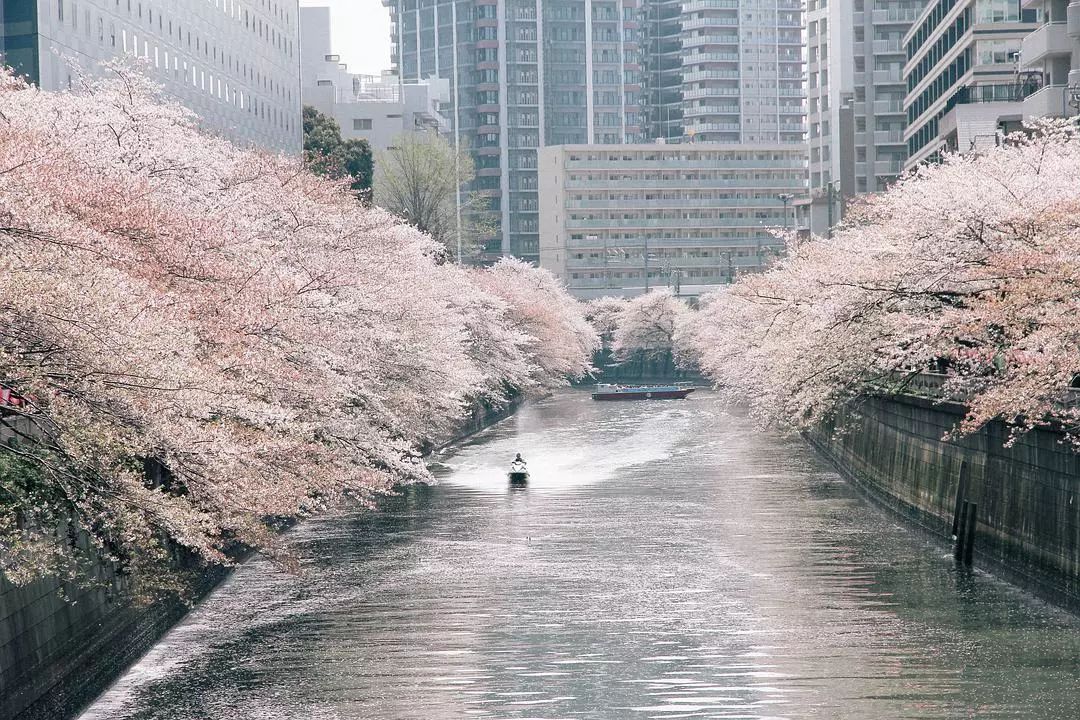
[
  {"x": 855, "y": 92},
  {"x": 374, "y": 108},
  {"x": 619, "y": 219},
  {"x": 236, "y": 63},
  {"x": 855, "y": 102},
  {"x": 1052, "y": 53},
  {"x": 964, "y": 88}
]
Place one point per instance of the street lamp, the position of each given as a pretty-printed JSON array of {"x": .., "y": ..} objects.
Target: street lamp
[{"x": 785, "y": 198}]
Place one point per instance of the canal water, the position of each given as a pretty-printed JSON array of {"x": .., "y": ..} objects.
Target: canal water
[{"x": 666, "y": 561}]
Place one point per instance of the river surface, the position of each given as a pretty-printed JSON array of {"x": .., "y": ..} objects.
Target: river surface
[{"x": 667, "y": 560}]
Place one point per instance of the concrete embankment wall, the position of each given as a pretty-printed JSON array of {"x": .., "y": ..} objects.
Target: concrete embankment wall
[
  {"x": 641, "y": 369},
  {"x": 63, "y": 643},
  {"x": 1026, "y": 497}
]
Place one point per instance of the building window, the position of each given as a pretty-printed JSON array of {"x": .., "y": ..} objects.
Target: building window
[{"x": 361, "y": 124}]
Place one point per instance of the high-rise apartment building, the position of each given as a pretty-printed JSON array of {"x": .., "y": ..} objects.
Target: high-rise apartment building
[
  {"x": 855, "y": 101},
  {"x": 964, "y": 87},
  {"x": 236, "y": 63},
  {"x": 855, "y": 93},
  {"x": 725, "y": 70},
  {"x": 740, "y": 70},
  {"x": 526, "y": 74},
  {"x": 1051, "y": 53},
  {"x": 618, "y": 219}
]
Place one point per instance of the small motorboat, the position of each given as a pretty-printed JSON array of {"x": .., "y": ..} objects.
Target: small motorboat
[{"x": 641, "y": 392}]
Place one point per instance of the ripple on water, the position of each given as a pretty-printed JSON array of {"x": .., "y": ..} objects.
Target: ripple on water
[{"x": 666, "y": 561}]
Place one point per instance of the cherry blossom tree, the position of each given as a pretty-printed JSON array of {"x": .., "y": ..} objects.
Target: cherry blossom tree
[
  {"x": 170, "y": 300},
  {"x": 647, "y": 325},
  {"x": 561, "y": 341},
  {"x": 603, "y": 314},
  {"x": 969, "y": 266}
]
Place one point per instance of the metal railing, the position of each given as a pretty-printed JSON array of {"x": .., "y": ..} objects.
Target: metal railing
[{"x": 996, "y": 92}]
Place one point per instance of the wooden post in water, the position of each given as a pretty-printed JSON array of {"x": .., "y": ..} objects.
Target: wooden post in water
[
  {"x": 969, "y": 534},
  {"x": 961, "y": 526}
]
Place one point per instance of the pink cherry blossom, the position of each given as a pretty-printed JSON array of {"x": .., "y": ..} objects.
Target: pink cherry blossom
[
  {"x": 276, "y": 345},
  {"x": 968, "y": 267}
]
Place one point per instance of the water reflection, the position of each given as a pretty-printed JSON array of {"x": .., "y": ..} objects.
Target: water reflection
[{"x": 665, "y": 560}]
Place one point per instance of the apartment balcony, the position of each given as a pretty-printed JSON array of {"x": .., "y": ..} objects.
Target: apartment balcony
[
  {"x": 710, "y": 92},
  {"x": 676, "y": 203},
  {"x": 888, "y": 167},
  {"x": 698, "y": 23},
  {"x": 699, "y": 40},
  {"x": 1072, "y": 22},
  {"x": 888, "y": 107},
  {"x": 671, "y": 223},
  {"x": 695, "y": 5},
  {"x": 1047, "y": 41},
  {"x": 895, "y": 16},
  {"x": 714, "y": 127},
  {"x": 637, "y": 244},
  {"x": 887, "y": 77},
  {"x": 995, "y": 93},
  {"x": 1051, "y": 101},
  {"x": 693, "y": 59},
  {"x": 710, "y": 161},
  {"x": 711, "y": 75},
  {"x": 888, "y": 47},
  {"x": 889, "y": 137},
  {"x": 711, "y": 110},
  {"x": 707, "y": 183}
]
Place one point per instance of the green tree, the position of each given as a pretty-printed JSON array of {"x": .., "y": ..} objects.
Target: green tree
[
  {"x": 329, "y": 155},
  {"x": 419, "y": 179}
]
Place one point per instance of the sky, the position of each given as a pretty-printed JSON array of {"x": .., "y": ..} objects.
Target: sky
[{"x": 360, "y": 33}]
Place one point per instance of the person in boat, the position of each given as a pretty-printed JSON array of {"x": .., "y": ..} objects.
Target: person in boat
[{"x": 518, "y": 465}]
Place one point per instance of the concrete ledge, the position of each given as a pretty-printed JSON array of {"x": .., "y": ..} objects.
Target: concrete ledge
[{"x": 1027, "y": 495}]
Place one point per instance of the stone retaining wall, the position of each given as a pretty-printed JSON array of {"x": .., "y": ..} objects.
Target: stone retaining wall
[{"x": 1026, "y": 497}]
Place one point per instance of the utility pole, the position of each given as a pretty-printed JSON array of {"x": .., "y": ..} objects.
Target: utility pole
[
  {"x": 457, "y": 128},
  {"x": 833, "y": 193},
  {"x": 646, "y": 263}
]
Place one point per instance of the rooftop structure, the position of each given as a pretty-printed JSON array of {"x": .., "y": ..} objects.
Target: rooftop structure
[{"x": 375, "y": 108}]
